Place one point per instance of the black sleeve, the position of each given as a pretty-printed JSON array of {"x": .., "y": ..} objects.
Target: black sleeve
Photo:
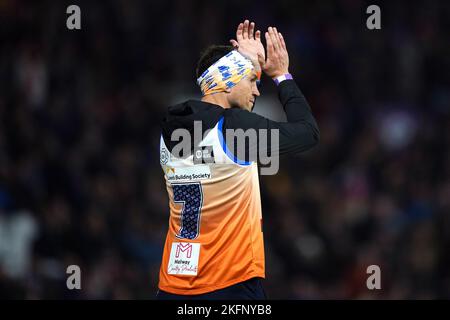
[{"x": 298, "y": 134}]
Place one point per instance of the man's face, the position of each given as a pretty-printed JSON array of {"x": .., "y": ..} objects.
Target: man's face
[{"x": 243, "y": 94}]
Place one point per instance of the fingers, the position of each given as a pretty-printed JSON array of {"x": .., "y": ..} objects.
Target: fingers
[
  {"x": 283, "y": 44},
  {"x": 251, "y": 30},
  {"x": 245, "y": 31},
  {"x": 279, "y": 38},
  {"x": 277, "y": 62},
  {"x": 234, "y": 43},
  {"x": 274, "y": 38},
  {"x": 269, "y": 44},
  {"x": 239, "y": 32},
  {"x": 258, "y": 35}
]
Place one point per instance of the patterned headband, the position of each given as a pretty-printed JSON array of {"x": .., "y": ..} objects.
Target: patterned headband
[{"x": 225, "y": 73}]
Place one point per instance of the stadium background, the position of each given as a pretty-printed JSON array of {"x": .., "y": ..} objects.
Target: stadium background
[{"x": 80, "y": 181}]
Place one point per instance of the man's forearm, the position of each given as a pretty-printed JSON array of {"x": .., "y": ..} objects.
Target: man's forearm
[{"x": 297, "y": 108}]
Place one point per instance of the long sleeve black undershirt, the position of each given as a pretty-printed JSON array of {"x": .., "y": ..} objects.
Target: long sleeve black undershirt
[{"x": 298, "y": 134}]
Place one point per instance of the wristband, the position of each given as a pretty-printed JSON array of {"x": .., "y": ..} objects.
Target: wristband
[{"x": 286, "y": 76}]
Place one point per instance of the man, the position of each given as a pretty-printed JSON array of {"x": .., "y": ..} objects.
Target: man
[{"x": 214, "y": 247}]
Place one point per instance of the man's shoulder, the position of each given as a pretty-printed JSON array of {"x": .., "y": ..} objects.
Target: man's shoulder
[
  {"x": 198, "y": 105},
  {"x": 235, "y": 118}
]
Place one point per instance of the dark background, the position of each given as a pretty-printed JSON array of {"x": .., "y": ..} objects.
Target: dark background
[{"x": 80, "y": 180}]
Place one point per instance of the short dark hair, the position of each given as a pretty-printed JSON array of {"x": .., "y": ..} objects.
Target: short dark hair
[{"x": 210, "y": 55}]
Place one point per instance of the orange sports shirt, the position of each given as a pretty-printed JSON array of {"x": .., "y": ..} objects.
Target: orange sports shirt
[{"x": 215, "y": 234}]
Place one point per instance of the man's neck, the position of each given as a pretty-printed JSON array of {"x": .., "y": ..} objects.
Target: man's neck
[{"x": 218, "y": 99}]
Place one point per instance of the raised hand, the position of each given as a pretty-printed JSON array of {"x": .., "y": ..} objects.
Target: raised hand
[
  {"x": 248, "y": 42},
  {"x": 277, "y": 62}
]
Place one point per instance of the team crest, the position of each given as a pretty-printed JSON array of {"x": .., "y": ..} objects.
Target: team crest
[
  {"x": 164, "y": 156},
  {"x": 204, "y": 155}
]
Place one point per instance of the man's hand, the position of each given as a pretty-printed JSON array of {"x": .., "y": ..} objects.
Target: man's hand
[
  {"x": 249, "y": 43},
  {"x": 277, "y": 63}
]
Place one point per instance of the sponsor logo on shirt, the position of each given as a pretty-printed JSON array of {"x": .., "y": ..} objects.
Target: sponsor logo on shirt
[{"x": 184, "y": 258}]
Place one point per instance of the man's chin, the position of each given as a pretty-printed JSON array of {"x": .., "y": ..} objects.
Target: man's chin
[{"x": 248, "y": 107}]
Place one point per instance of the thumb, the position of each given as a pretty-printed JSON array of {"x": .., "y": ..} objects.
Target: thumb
[
  {"x": 234, "y": 43},
  {"x": 261, "y": 60}
]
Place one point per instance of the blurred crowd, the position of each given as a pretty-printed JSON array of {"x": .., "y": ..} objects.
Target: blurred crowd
[{"x": 81, "y": 183}]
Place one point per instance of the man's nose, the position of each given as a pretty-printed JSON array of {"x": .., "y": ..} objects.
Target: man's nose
[{"x": 256, "y": 91}]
